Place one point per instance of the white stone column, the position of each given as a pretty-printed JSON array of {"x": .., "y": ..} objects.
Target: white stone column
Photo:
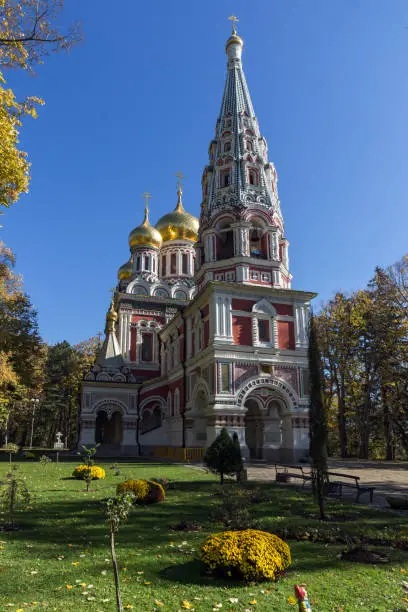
[
  {"x": 129, "y": 433},
  {"x": 255, "y": 331},
  {"x": 87, "y": 430}
]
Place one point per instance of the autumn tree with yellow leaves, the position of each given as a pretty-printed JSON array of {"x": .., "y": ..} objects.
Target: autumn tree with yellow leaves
[{"x": 28, "y": 32}]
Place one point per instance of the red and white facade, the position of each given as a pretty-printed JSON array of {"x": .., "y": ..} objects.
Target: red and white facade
[{"x": 209, "y": 332}]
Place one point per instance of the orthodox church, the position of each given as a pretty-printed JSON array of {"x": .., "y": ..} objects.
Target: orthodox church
[{"x": 204, "y": 330}]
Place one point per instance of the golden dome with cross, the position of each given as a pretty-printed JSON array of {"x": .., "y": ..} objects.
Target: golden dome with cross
[
  {"x": 179, "y": 224},
  {"x": 145, "y": 234}
]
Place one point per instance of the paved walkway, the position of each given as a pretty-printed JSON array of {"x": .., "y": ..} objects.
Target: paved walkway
[{"x": 386, "y": 476}]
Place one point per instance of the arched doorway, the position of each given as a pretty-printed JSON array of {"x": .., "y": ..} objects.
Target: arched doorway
[
  {"x": 254, "y": 429},
  {"x": 108, "y": 430}
]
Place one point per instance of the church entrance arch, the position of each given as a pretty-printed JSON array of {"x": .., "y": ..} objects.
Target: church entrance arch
[
  {"x": 268, "y": 419},
  {"x": 254, "y": 429},
  {"x": 109, "y": 428}
]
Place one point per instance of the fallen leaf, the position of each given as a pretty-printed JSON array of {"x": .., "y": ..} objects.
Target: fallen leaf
[
  {"x": 186, "y": 605},
  {"x": 69, "y": 586},
  {"x": 158, "y": 603},
  {"x": 253, "y": 602},
  {"x": 292, "y": 601}
]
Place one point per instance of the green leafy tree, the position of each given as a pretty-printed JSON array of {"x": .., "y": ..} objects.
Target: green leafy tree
[
  {"x": 221, "y": 457},
  {"x": 317, "y": 420}
]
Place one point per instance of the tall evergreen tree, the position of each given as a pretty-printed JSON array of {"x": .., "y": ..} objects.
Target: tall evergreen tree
[{"x": 317, "y": 420}]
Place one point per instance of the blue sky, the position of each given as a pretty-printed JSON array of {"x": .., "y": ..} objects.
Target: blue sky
[{"x": 138, "y": 101}]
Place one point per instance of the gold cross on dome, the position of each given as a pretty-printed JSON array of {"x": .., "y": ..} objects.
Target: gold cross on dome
[
  {"x": 234, "y": 20},
  {"x": 112, "y": 292},
  {"x": 146, "y": 195},
  {"x": 179, "y": 176}
]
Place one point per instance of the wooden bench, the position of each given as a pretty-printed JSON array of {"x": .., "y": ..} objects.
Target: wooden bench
[
  {"x": 335, "y": 487},
  {"x": 283, "y": 475}
]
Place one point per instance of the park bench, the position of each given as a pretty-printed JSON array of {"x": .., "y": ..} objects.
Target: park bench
[
  {"x": 284, "y": 472},
  {"x": 335, "y": 487}
]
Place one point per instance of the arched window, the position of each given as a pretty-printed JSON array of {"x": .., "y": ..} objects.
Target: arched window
[
  {"x": 255, "y": 242},
  {"x": 227, "y": 146},
  {"x": 252, "y": 177},
  {"x": 164, "y": 263},
  {"x": 225, "y": 177},
  {"x": 180, "y": 295},
  {"x": 157, "y": 417},
  {"x": 184, "y": 263},
  {"x": 249, "y": 145},
  {"x": 138, "y": 290},
  {"x": 147, "y": 262},
  {"x": 225, "y": 241},
  {"x": 147, "y": 347},
  {"x": 173, "y": 263}
]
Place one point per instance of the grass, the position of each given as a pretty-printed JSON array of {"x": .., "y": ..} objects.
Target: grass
[{"x": 59, "y": 559}]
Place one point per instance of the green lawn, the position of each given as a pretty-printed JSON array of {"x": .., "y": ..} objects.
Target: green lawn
[{"x": 59, "y": 559}]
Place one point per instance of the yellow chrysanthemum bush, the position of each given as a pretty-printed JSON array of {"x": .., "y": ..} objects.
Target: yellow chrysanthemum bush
[
  {"x": 97, "y": 473},
  {"x": 145, "y": 491},
  {"x": 247, "y": 555}
]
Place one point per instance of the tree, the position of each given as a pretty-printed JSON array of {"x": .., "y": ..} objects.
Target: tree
[
  {"x": 237, "y": 455},
  {"x": 221, "y": 456},
  {"x": 64, "y": 370},
  {"x": 317, "y": 420},
  {"x": 27, "y": 33},
  {"x": 117, "y": 511},
  {"x": 22, "y": 352}
]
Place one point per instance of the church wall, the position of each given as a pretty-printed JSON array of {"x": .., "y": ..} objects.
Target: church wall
[
  {"x": 286, "y": 335},
  {"x": 242, "y": 330},
  {"x": 284, "y": 309},
  {"x": 243, "y": 305}
]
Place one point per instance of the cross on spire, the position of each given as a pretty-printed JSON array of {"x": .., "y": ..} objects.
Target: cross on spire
[
  {"x": 234, "y": 20},
  {"x": 179, "y": 176},
  {"x": 146, "y": 195}
]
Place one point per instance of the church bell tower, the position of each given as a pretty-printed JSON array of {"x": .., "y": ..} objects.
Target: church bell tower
[{"x": 242, "y": 237}]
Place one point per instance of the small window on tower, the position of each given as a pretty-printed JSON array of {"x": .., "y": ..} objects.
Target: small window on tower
[
  {"x": 147, "y": 262},
  {"x": 249, "y": 145},
  {"x": 164, "y": 263},
  {"x": 173, "y": 263},
  {"x": 147, "y": 347},
  {"x": 138, "y": 263},
  {"x": 263, "y": 330},
  {"x": 226, "y": 178},
  {"x": 227, "y": 147},
  {"x": 184, "y": 263},
  {"x": 252, "y": 177}
]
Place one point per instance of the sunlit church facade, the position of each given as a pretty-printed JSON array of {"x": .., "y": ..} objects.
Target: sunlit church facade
[{"x": 204, "y": 330}]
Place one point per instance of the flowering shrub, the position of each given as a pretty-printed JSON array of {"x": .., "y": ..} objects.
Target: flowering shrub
[
  {"x": 250, "y": 554},
  {"x": 97, "y": 473},
  {"x": 145, "y": 491}
]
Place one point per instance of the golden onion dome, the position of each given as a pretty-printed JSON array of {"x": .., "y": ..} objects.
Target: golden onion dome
[
  {"x": 179, "y": 224},
  {"x": 125, "y": 271},
  {"x": 111, "y": 318},
  {"x": 145, "y": 235}
]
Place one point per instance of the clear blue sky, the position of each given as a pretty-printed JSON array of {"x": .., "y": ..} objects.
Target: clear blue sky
[{"x": 138, "y": 101}]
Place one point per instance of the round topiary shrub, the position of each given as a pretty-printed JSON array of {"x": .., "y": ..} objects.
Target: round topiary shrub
[
  {"x": 97, "y": 473},
  {"x": 145, "y": 491},
  {"x": 246, "y": 555}
]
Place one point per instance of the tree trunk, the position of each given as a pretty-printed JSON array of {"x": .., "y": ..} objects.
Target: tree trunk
[
  {"x": 221, "y": 478},
  {"x": 115, "y": 572},
  {"x": 389, "y": 454}
]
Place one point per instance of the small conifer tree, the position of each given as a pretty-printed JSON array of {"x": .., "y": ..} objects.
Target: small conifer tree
[
  {"x": 237, "y": 455},
  {"x": 222, "y": 457},
  {"x": 14, "y": 495}
]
